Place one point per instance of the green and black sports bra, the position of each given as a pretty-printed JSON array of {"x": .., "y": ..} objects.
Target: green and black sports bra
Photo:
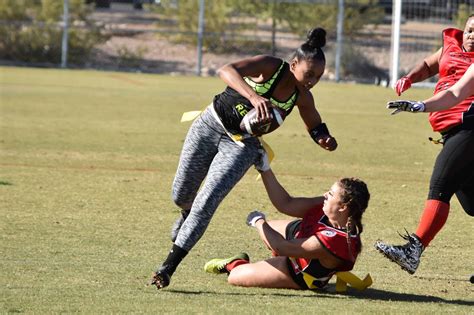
[{"x": 232, "y": 107}]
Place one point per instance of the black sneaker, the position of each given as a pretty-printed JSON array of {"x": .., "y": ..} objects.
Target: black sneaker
[
  {"x": 177, "y": 224},
  {"x": 406, "y": 256},
  {"x": 160, "y": 279}
]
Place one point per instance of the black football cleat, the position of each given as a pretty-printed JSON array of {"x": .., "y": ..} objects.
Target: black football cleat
[
  {"x": 406, "y": 256},
  {"x": 160, "y": 279}
]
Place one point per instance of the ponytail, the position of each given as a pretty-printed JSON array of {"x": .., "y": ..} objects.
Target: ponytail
[
  {"x": 355, "y": 195},
  {"x": 311, "y": 49}
]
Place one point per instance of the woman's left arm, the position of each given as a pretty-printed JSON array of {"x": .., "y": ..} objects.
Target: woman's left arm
[
  {"x": 313, "y": 122},
  {"x": 309, "y": 248},
  {"x": 440, "y": 101}
]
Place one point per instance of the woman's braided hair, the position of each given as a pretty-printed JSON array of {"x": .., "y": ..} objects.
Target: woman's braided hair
[{"x": 355, "y": 194}]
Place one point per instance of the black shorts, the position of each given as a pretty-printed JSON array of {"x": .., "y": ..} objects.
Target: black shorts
[
  {"x": 298, "y": 279},
  {"x": 290, "y": 232},
  {"x": 291, "y": 229},
  {"x": 320, "y": 271}
]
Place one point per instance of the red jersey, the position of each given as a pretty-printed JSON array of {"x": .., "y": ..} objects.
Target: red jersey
[
  {"x": 453, "y": 63},
  {"x": 334, "y": 240}
]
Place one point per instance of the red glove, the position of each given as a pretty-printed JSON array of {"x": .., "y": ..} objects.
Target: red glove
[{"x": 402, "y": 85}]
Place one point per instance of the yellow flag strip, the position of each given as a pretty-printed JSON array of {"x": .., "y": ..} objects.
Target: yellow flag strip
[{"x": 343, "y": 278}]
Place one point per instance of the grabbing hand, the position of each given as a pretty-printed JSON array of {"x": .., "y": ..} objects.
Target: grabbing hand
[
  {"x": 402, "y": 85},
  {"x": 406, "y": 106},
  {"x": 263, "y": 107},
  {"x": 327, "y": 142},
  {"x": 263, "y": 164},
  {"x": 254, "y": 216}
]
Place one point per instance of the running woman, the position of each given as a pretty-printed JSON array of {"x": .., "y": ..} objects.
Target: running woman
[
  {"x": 216, "y": 154},
  {"x": 453, "y": 172}
]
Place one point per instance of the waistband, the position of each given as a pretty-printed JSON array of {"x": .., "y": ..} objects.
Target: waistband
[
  {"x": 468, "y": 124},
  {"x": 237, "y": 138}
]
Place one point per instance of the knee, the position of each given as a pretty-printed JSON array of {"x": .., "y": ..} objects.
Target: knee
[
  {"x": 440, "y": 194},
  {"x": 180, "y": 200}
]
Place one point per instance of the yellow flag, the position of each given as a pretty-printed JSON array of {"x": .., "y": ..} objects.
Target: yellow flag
[
  {"x": 346, "y": 277},
  {"x": 190, "y": 116}
]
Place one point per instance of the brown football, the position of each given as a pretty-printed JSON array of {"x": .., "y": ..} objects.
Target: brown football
[{"x": 251, "y": 125}]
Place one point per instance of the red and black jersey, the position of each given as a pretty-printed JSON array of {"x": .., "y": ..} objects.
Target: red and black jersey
[
  {"x": 334, "y": 240},
  {"x": 453, "y": 63}
]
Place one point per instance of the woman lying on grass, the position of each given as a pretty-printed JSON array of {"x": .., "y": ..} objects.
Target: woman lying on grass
[{"x": 308, "y": 251}]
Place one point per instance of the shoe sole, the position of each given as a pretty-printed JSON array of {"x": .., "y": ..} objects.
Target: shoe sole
[{"x": 393, "y": 260}]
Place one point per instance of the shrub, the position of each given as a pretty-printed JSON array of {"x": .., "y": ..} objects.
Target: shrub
[
  {"x": 130, "y": 58},
  {"x": 31, "y": 33},
  {"x": 237, "y": 19}
]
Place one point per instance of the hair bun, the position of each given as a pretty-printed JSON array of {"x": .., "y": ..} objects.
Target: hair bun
[{"x": 316, "y": 38}]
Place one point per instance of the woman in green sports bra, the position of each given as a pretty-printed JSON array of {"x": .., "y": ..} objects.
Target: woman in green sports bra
[
  {"x": 212, "y": 161},
  {"x": 264, "y": 81}
]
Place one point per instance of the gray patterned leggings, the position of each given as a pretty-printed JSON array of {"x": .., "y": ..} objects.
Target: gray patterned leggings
[{"x": 208, "y": 153}]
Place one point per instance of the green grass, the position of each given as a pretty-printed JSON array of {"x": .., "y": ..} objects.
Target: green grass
[{"x": 86, "y": 165}]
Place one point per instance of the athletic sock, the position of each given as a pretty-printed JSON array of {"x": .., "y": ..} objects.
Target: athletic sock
[
  {"x": 432, "y": 220},
  {"x": 175, "y": 256},
  {"x": 235, "y": 263}
]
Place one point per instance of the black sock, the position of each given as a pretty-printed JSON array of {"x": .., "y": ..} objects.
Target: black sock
[{"x": 175, "y": 256}]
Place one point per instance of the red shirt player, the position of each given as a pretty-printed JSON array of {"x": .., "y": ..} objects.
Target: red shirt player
[
  {"x": 308, "y": 251},
  {"x": 310, "y": 272},
  {"x": 453, "y": 172}
]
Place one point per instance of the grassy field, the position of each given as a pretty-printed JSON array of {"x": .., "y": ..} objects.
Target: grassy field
[{"x": 86, "y": 165}]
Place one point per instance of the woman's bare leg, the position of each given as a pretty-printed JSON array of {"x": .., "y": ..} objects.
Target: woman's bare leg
[
  {"x": 270, "y": 273},
  {"x": 279, "y": 226}
]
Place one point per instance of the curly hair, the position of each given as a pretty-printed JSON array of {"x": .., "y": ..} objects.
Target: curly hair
[{"x": 355, "y": 194}]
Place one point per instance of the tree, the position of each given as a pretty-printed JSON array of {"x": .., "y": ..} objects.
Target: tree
[
  {"x": 230, "y": 18},
  {"x": 33, "y": 33}
]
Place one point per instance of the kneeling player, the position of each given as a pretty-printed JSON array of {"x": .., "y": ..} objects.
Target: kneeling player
[{"x": 307, "y": 251}]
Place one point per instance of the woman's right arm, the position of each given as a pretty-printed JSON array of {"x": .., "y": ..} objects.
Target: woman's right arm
[
  {"x": 283, "y": 201},
  {"x": 259, "y": 68},
  {"x": 426, "y": 69}
]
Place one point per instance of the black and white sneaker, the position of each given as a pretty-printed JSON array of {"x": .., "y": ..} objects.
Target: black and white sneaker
[
  {"x": 406, "y": 256},
  {"x": 178, "y": 223}
]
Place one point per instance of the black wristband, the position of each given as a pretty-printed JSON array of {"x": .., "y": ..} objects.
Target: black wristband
[{"x": 319, "y": 131}]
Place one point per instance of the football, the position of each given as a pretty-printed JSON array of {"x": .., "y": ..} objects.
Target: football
[{"x": 251, "y": 125}]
